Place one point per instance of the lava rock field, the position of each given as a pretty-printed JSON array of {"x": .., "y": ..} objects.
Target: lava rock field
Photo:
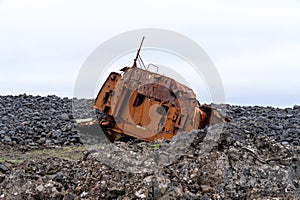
[{"x": 255, "y": 156}]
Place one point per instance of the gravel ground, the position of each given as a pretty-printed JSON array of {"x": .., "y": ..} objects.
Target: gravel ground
[
  {"x": 34, "y": 121},
  {"x": 255, "y": 156}
]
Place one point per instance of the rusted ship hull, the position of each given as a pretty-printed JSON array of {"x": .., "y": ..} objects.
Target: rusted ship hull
[{"x": 149, "y": 106}]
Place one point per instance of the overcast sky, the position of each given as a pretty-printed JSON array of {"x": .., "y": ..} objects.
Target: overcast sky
[{"x": 255, "y": 45}]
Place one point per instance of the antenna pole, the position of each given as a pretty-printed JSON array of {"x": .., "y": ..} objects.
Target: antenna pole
[{"x": 138, "y": 53}]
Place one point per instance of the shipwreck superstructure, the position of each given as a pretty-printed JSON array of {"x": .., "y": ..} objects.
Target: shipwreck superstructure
[{"x": 149, "y": 106}]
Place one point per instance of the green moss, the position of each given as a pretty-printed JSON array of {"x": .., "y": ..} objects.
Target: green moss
[
  {"x": 15, "y": 161},
  {"x": 157, "y": 145},
  {"x": 69, "y": 153}
]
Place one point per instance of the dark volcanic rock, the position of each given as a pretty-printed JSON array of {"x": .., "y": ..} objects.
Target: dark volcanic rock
[
  {"x": 255, "y": 156},
  {"x": 4, "y": 168},
  {"x": 37, "y": 121}
]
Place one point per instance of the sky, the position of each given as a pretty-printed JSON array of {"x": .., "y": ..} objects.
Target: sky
[{"x": 255, "y": 45}]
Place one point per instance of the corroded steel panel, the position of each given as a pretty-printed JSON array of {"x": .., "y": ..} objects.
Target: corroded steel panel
[{"x": 149, "y": 106}]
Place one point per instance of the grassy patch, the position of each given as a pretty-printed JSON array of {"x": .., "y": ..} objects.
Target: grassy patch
[
  {"x": 69, "y": 153},
  {"x": 157, "y": 145},
  {"x": 14, "y": 161}
]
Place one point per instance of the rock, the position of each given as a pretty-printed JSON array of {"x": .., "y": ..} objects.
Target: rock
[
  {"x": 59, "y": 177},
  {"x": 69, "y": 197},
  {"x": 275, "y": 127},
  {"x": 206, "y": 188},
  {"x": 48, "y": 141},
  {"x": 6, "y": 140},
  {"x": 64, "y": 116},
  {"x": 84, "y": 194},
  {"x": 140, "y": 194},
  {"x": 3, "y": 168},
  {"x": 42, "y": 141},
  {"x": 40, "y": 188},
  {"x": 285, "y": 143},
  {"x": 2, "y": 177},
  {"x": 256, "y": 156}
]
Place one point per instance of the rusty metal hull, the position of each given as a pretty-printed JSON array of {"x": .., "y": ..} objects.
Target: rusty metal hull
[{"x": 149, "y": 106}]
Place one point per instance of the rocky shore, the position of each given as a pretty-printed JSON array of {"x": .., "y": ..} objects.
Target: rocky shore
[{"x": 255, "y": 156}]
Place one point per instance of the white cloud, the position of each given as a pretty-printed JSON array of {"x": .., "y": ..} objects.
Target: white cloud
[{"x": 254, "y": 44}]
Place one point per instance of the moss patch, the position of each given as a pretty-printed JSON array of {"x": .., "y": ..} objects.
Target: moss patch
[{"x": 16, "y": 156}]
